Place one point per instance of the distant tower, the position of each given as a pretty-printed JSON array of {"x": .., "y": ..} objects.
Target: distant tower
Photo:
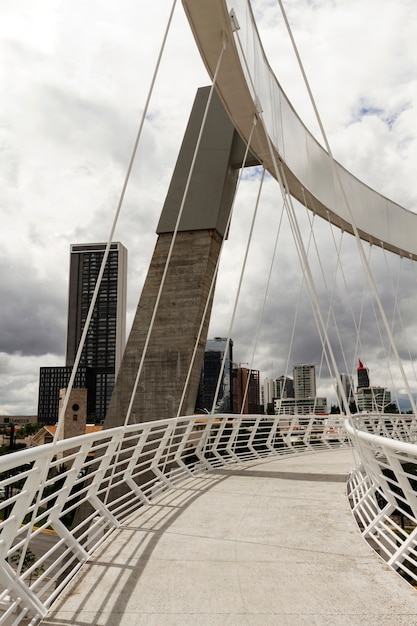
[
  {"x": 246, "y": 390},
  {"x": 268, "y": 390},
  {"x": 284, "y": 387},
  {"x": 299, "y": 394},
  {"x": 105, "y": 340},
  {"x": 304, "y": 381},
  {"x": 52, "y": 380},
  {"x": 346, "y": 383},
  {"x": 213, "y": 358},
  {"x": 75, "y": 417},
  {"x": 363, "y": 376}
]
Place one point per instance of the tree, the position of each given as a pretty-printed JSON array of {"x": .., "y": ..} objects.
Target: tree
[
  {"x": 28, "y": 560},
  {"x": 29, "y": 429},
  {"x": 391, "y": 408},
  {"x": 352, "y": 407}
]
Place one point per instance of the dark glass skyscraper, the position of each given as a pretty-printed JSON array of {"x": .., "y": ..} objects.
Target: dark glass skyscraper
[
  {"x": 213, "y": 358},
  {"x": 105, "y": 340},
  {"x": 363, "y": 376},
  {"x": 52, "y": 379}
]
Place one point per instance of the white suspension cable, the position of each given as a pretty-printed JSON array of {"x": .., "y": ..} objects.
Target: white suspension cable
[
  {"x": 331, "y": 293},
  {"x": 255, "y": 345},
  {"x": 294, "y": 326},
  {"x": 280, "y": 176},
  {"x": 112, "y": 230},
  {"x": 384, "y": 348},
  {"x": 306, "y": 267},
  {"x": 337, "y": 177},
  {"x": 400, "y": 317},
  {"x": 213, "y": 280},
  {"x": 397, "y": 313},
  {"x": 336, "y": 325},
  {"x": 173, "y": 239},
  {"x": 414, "y": 271},
  {"x": 245, "y": 394},
  {"x": 395, "y": 309},
  {"x": 359, "y": 326},
  {"x": 216, "y": 394},
  {"x": 349, "y": 370}
]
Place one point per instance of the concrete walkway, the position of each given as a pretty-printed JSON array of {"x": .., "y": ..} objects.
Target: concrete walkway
[{"x": 268, "y": 544}]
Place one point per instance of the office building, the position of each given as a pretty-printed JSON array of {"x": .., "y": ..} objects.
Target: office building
[
  {"x": 245, "y": 390},
  {"x": 268, "y": 393},
  {"x": 304, "y": 381},
  {"x": 302, "y": 406},
  {"x": 373, "y": 399},
  {"x": 211, "y": 372},
  {"x": 106, "y": 336},
  {"x": 284, "y": 386},
  {"x": 273, "y": 389},
  {"x": 105, "y": 340},
  {"x": 363, "y": 376},
  {"x": 52, "y": 380},
  {"x": 303, "y": 399},
  {"x": 346, "y": 384}
]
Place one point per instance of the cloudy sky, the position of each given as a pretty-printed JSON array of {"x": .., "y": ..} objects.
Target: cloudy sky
[{"x": 74, "y": 77}]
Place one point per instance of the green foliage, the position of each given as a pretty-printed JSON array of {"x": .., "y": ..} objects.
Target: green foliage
[
  {"x": 391, "y": 408},
  {"x": 352, "y": 407},
  {"x": 6, "y": 448},
  {"x": 28, "y": 430},
  {"x": 28, "y": 561}
]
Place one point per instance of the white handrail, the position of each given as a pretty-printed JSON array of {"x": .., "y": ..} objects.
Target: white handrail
[
  {"x": 382, "y": 489},
  {"x": 95, "y": 483}
]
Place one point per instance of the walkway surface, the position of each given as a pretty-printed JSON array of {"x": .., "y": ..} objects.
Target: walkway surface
[{"x": 268, "y": 544}]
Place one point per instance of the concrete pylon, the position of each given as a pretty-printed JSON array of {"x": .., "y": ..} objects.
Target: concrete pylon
[{"x": 190, "y": 273}]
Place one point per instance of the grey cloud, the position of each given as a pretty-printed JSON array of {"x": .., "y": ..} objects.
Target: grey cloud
[{"x": 32, "y": 314}]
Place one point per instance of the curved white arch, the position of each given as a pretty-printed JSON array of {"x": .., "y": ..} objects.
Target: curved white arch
[{"x": 246, "y": 84}]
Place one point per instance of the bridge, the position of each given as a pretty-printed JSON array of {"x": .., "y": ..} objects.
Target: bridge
[{"x": 125, "y": 506}]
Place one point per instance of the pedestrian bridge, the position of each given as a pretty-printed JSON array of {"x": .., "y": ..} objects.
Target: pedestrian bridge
[
  {"x": 218, "y": 520},
  {"x": 233, "y": 519},
  {"x": 270, "y": 542}
]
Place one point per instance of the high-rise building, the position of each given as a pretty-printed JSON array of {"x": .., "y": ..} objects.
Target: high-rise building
[
  {"x": 284, "y": 387},
  {"x": 373, "y": 399},
  {"x": 346, "y": 383},
  {"x": 268, "y": 390},
  {"x": 304, "y": 381},
  {"x": 300, "y": 398},
  {"x": 105, "y": 341},
  {"x": 302, "y": 406},
  {"x": 363, "y": 376},
  {"x": 211, "y": 371},
  {"x": 52, "y": 380},
  {"x": 276, "y": 389},
  {"x": 106, "y": 337},
  {"x": 245, "y": 390}
]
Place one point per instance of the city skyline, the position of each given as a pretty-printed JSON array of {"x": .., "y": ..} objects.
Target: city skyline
[{"x": 67, "y": 137}]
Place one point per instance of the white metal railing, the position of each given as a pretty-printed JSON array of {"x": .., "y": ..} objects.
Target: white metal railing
[
  {"x": 382, "y": 489},
  {"x": 79, "y": 490}
]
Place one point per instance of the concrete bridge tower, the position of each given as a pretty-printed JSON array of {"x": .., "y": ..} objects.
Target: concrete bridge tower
[{"x": 191, "y": 269}]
